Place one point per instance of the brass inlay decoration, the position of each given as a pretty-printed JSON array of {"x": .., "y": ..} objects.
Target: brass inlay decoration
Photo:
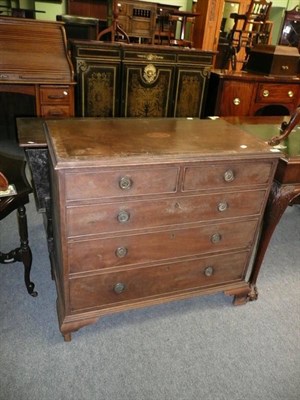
[
  {"x": 147, "y": 99},
  {"x": 150, "y": 57},
  {"x": 150, "y": 73},
  {"x": 81, "y": 66},
  {"x": 188, "y": 101},
  {"x": 100, "y": 94}
]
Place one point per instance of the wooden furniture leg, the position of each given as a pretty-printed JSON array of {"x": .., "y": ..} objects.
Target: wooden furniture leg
[
  {"x": 22, "y": 253},
  {"x": 280, "y": 197}
]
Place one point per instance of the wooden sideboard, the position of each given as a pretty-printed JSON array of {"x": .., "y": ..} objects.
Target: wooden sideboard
[
  {"x": 127, "y": 80},
  {"x": 34, "y": 63},
  {"x": 248, "y": 94},
  {"x": 152, "y": 210}
]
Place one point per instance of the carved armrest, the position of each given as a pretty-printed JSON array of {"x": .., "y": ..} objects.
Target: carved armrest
[{"x": 286, "y": 128}]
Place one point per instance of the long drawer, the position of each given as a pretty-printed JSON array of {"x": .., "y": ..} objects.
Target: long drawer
[
  {"x": 144, "y": 248},
  {"x": 101, "y": 290},
  {"x": 276, "y": 93},
  {"x": 131, "y": 215}
]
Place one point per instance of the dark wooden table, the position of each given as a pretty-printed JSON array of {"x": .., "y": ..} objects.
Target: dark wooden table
[{"x": 286, "y": 187}]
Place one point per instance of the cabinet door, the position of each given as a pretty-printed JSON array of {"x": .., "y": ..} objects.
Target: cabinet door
[
  {"x": 189, "y": 92},
  {"x": 97, "y": 90},
  {"x": 235, "y": 98},
  {"x": 147, "y": 90}
]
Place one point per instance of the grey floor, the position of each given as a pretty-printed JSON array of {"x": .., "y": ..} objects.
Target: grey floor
[{"x": 203, "y": 348}]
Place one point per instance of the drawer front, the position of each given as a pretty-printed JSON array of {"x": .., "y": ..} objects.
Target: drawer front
[
  {"x": 213, "y": 176},
  {"x": 235, "y": 99},
  {"x": 286, "y": 93},
  {"x": 55, "y": 95},
  {"x": 131, "y": 182},
  {"x": 140, "y": 283},
  {"x": 55, "y": 111},
  {"x": 165, "y": 245},
  {"x": 124, "y": 216}
]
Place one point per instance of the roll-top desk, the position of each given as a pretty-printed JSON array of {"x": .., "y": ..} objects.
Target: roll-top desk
[
  {"x": 152, "y": 210},
  {"x": 34, "y": 62}
]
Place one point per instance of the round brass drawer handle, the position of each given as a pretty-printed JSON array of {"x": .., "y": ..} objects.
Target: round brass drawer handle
[
  {"x": 222, "y": 206},
  {"x": 229, "y": 175},
  {"x": 123, "y": 216},
  {"x": 121, "y": 252},
  {"x": 119, "y": 287},
  {"x": 125, "y": 183},
  {"x": 208, "y": 271},
  {"x": 265, "y": 93},
  {"x": 236, "y": 101},
  {"x": 216, "y": 238},
  {"x": 290, "y": 93}
]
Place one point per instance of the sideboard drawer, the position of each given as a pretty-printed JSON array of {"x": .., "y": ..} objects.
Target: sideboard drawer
[
  {"x": 129, "y": 285},
  {"x": 277, "y": 93},
  {"x": 125, "y": 182},
  {"x": 211, "y": 176},
  {"x": 127, "y": 215},
  {"x": 143, "y": 248}
]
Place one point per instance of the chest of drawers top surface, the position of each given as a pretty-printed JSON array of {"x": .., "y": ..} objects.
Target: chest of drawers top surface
[{"x": 86, "y": 142}]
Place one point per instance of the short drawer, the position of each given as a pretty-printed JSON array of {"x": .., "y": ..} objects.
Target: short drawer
[
  {"x": 226, "y": 175},
  {"x": 272, "y": 93},
  {"x": 102, "y": 290},
  {"x": 55, "y": 95},
  {"x": 121, "y": 183},
  {"x": 55, "y": 111},
  {"x": 144, "y": 248},
  {"x": 130, "y": 215}
]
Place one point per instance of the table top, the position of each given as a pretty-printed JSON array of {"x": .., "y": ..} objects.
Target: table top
[
  {"x": 288, "y": 169},
  {"x": 226, "y": 74},
  {"x": 31, "y": 132},
  {"x": 120, "y": 141},
  {"x": 267, "y": 127}
]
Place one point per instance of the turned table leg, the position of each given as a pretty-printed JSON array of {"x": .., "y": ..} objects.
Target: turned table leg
[
  {"x": 22, "y": 253},
  {"x": 280, "y": 197}
]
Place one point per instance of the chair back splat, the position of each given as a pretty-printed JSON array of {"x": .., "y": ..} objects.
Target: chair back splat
[{"x": 249, "y": 29}]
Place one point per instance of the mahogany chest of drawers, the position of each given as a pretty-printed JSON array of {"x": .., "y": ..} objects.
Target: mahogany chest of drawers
[{"x": 152, "y": 210}]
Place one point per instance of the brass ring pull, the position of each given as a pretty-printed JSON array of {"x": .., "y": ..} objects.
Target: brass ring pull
[
  {"x": 222, "y": 206},
  {"x": 123, "y": 216},
  {"x": 290, "y": 93},
  {"x": 265, "y": 93},
  {"x": 216, "y": 238},
  {"x": 125, "y": 183},
  {"x": 229, "y": 175},
  {"x": 236, "y": 101},
  {"x": 121, "y": 252},
  {"x": 119, "y": 287},
  {"x": 208, "y": 271}
]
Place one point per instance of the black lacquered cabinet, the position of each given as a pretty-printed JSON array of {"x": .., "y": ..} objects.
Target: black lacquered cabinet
[
  {"x": 98, "y": 77},
  {"x": 125, "y": 80}
]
